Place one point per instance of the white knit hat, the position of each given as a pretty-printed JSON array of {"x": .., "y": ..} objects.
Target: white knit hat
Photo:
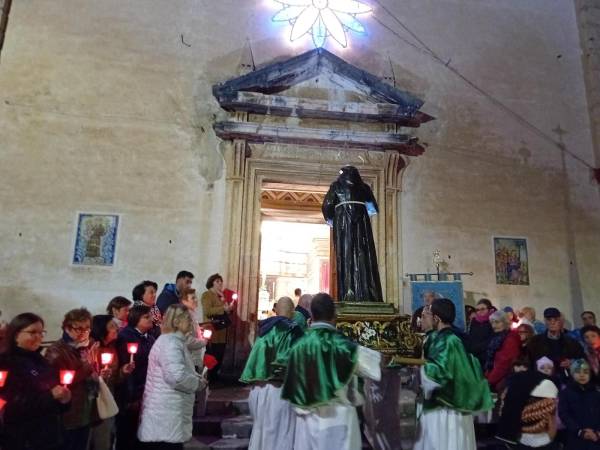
[
  {"x": 543, "y": 361},
  {"x": 546, "y": 389}
]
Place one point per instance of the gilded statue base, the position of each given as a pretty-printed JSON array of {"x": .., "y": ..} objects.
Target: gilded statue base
[{"x": 379, "y": 327}]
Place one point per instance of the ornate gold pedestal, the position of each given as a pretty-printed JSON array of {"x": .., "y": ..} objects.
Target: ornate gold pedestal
[{"x": 380, "y": 327}]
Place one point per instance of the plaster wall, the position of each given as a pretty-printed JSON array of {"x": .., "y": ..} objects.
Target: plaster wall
[{"x": 107, "y": 107}]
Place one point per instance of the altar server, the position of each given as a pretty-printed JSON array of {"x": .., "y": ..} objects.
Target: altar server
[
  {"x": 453, "y": 385},
  {"x": 322, "y": 382},
  {"x": 274, "y": 418}
]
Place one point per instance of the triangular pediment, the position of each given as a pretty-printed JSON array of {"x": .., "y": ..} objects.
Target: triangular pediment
[{"x": 318, "y": 84}]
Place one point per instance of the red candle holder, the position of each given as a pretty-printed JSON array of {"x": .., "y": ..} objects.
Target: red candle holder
[
  {"x": 3, "y": 376},
  {"x": 67, "y": 377},
  {"x": 106, "y": 359},
  {"x": 132, "y": 348},
  {"x": 2, "y": 404}
]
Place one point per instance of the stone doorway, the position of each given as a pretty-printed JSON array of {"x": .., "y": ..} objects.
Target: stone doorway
[
  {"x": 298, "y": 122},
  {"x": 295, "y": 249}
]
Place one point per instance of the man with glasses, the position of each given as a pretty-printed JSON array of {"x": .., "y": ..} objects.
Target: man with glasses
[
  {"x": 428, "y": 298},
  {"x": 452, "y": 383},
  {"x": 74, "y": 352}
]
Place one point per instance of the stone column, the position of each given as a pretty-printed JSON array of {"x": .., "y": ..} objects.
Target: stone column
[{"x": 394, "y": 166}]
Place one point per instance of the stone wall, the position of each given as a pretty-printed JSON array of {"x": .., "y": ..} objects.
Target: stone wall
[{"x": 109, "y": 109}]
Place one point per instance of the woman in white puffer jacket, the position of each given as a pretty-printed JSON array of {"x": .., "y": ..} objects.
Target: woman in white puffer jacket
[{"x": 171, "y": 384}]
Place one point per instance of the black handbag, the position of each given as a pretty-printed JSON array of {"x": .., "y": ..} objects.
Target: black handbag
[{"x": 220, "y": 321}]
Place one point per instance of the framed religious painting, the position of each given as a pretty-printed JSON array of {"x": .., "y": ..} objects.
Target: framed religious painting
[
  {"x": 511, "y": 261},
  {"x": 96, "y": 239}
]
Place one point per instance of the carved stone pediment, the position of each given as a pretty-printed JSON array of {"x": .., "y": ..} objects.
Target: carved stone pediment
[{"x": 319, "y": 86}]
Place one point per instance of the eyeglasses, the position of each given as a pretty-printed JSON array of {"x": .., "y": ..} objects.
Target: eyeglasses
[
  {"x": 481, "y": 309},
  {"x": 35, "y": 333},
  {"x": 81, "y": 329}
]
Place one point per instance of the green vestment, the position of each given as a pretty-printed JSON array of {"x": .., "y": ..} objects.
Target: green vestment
[
  {"x": 300, "y": 320},
  {"x": 319, "y": 365},
  {"x": 462, "y": 384},
  {"x": 268, "y": 358}
]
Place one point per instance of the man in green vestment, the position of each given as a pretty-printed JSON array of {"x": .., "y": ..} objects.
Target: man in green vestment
[
  {"x": 321, "y": 382},
  {"x": 274, "y": 418},
  {"x": 453, "y": 385}
]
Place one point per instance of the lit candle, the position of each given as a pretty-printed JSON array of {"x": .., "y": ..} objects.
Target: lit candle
[
  {"x": 3, "y": 375},
  {"x": 67, "y": 377},
  {"x": 106, "y": 359},
  {"x": 132, "y": 348},
  {"x": 234, "y": 297},
  {"x": 207, "y": 334}
]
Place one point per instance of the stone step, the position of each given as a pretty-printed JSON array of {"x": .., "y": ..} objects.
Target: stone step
[
  {"x": 195, "y": 444},
  {"x": 241, "y": 406},
  {"x": 219, "y": 407},
  {"x": 210, "y": 425},
  {"x": 230, "y": 444},
  {"x": 237, "y": 427}
]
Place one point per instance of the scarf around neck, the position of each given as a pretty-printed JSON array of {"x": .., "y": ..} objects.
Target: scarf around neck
[
  {"x": 493, "y": 347},
  {"x": 484, "y": 318}
]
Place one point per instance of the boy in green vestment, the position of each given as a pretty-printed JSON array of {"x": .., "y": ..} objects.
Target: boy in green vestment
[
  {"x": 274, "y": 418},
  {"x": 453, "y": 385},
  {"x": 321, "y": 382}
]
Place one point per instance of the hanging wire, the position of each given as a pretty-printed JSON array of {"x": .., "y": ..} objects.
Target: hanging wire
[{"x": 424, "y": 49}]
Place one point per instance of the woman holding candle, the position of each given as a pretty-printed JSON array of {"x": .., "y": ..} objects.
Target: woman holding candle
[
  {"x": 166, "y": 420},
  {"x": 74, "y": 351},
  {"x": 34, "y": 397},
  {"x": 214, "y": 306},
  {"x": 130, "y": 392},
  {"x": 196, "y": 343},
  {"x": 104, "y": 332}
]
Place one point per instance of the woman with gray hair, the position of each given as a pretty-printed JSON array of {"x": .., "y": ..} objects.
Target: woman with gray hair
[
  {"x": 166, "y": 419},
  {"x": 503, "y": 349}
]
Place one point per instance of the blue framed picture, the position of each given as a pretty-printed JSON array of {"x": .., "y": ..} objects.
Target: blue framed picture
[
  {"x": 96, "y": 241},
  {"x": 452, "y": 290}
]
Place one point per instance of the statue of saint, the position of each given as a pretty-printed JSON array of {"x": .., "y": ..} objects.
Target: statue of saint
[{"x": 347, "y": 208}]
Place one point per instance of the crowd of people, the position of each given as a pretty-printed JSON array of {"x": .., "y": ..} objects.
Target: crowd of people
[
  {"x": 544, "y": 378},
  {"x": 126, "y": 379}
]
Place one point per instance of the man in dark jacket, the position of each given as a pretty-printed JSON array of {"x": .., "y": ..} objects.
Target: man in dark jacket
[
  {"x": 555, "y": 344},
  {"x": 170, "y": 293}
]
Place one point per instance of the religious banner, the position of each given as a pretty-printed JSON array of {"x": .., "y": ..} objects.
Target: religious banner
[
  {"x": 452, "y": 290},
  {"x": 511, "y": 261}
]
